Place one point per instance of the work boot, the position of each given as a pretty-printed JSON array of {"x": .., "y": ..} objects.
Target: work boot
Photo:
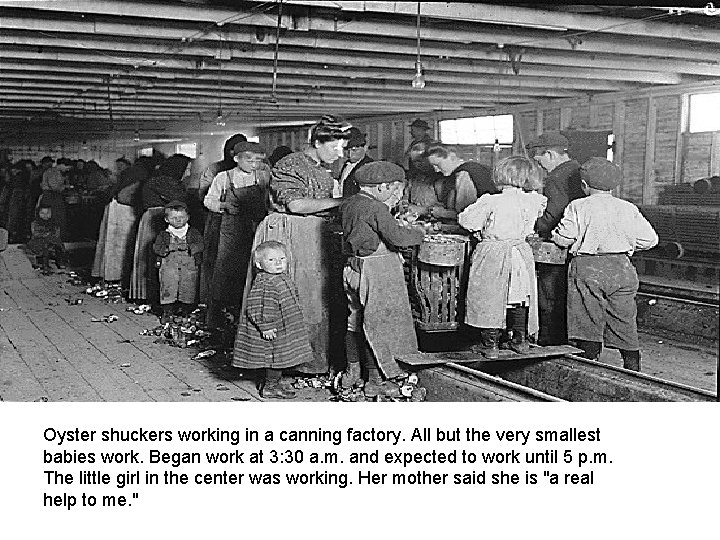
[
  {"x": 591, "y": 349},
  {"x": 519, "y": 342},
  {"x": 631, "y": 359},
  {"x": 376, "y": 386},
  {"x": 384, "y": 389},
  {"x": 490, "y": 338}
]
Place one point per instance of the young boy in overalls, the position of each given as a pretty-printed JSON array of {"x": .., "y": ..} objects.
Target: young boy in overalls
[
  {"x": 179, "y": 248},
  {"x": 380, "y": 325},
  {"x": 603, "y": 232}
]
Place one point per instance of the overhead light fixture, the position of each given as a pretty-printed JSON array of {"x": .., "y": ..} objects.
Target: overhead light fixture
[
  {"x": 418, "y": 81},
  {"x": 220, "y": 119}
]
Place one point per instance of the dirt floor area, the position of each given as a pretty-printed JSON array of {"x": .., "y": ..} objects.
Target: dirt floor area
[{"x": 52, "y": 349}]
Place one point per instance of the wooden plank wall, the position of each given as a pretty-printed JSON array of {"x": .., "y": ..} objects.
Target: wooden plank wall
[{"x": 650, "y": 145}]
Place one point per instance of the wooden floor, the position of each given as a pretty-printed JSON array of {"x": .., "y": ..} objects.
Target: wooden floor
[{"x": 51, "y": 351}]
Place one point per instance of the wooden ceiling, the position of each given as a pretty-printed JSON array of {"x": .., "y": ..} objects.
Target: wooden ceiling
[{"x": 105, "y": 64}]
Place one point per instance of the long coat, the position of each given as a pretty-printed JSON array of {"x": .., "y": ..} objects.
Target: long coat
[{"x": 273, "y": 302}]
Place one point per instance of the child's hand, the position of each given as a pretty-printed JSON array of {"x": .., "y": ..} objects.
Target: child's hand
[{"x": 269, "y": 335}]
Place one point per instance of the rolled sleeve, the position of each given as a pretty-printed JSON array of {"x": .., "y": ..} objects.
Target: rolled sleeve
[
  {"x": 646, "y": 237},
  {"x": 567, "y": 230},
  {"x": 212, "y": 199}
]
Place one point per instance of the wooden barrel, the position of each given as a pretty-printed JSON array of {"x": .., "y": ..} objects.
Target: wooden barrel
[
  {"x": 436, "y": 281},
  {"x": 442, "y": 249}
]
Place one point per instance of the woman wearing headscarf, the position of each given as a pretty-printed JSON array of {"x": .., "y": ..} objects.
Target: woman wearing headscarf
[
  {"x": 14, "y": 193},
  {"x": 301, "y": 188},
  {"x": 116, "y": 238},
  {"x": 166, "y": 184}
]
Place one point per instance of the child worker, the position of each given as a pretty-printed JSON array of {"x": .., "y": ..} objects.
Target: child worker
[
  {"x": 380, "y": 325},
  {"x": 272, "y": 333},
  {"x": 602, "y": 232},
  {"x": 179, "y": 248},
  {"x": 45, "y": 241},
  {"x": 501, "y": 291}
]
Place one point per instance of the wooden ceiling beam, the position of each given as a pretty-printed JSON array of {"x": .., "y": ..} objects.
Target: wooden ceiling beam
[
  {"x": 354, "y": 28},
  {"x": 300, "y": 74},
  {"x": 38, "y": 80},
  {"x": 128, "y": 59},
  {"x": 487, "y": 14},
  {"x": 168, "y": 40},
  {"x": 498, "y": 14}
]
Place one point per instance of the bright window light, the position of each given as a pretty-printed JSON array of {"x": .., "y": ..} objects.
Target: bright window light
[
  {"x": 610, "y": 147},
  {"x": 705, "y": 112},
  {"x": 254, "y": 138},
  {"x": 145, "y": 152},
  {"x": 189, "y": 149},
  {"x": 477, "y": 130}
]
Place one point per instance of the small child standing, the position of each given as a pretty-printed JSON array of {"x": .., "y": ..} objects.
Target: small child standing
[
  {"x": 272, "y": 333},
  {"x": 603, "y": 232},
  {"x": 180, "y": 250},
  {"x": 45, "y": 241},
  {"x": 380, "y": 325},
  {"x": 502, "y": 291}
]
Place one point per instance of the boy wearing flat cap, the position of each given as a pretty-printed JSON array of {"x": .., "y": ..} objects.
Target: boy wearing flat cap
[
  {"x": 380, "y": 325},
  {"x": 602, "y": 233}
]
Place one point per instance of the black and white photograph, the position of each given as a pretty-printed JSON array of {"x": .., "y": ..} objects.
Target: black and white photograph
[
  {"x": 431, "y": 254},
  {"x": 186, "y": 216}
]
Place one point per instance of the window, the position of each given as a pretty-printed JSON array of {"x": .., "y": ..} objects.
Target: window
[
  {"x": 477, "y": 130},
  {"x": 254, "y": 138},
  {"x": 145, "y": 152},
  {"x": 189, "y": 149},
  {"x": 704, "y": 112}
]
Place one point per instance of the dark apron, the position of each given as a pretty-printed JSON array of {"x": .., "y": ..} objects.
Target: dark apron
[{"x": 235, "y": 243}]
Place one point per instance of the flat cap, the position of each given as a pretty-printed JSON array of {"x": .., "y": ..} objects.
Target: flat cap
[
  {"x": 420, "y": 123},
  {"x": 246, "y": 146},
  {"x": 549, "y": 140},
  {"x": 599, "y": 173},
  {"x": 176, "y": 205},
  {"x": 357, "y": 138},
  {"x": 379, "y": 172}
]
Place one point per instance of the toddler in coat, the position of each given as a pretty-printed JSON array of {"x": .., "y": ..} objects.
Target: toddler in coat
[
  {"x": 45, "y": 241},
  {"x": 272, "y": 334}
]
